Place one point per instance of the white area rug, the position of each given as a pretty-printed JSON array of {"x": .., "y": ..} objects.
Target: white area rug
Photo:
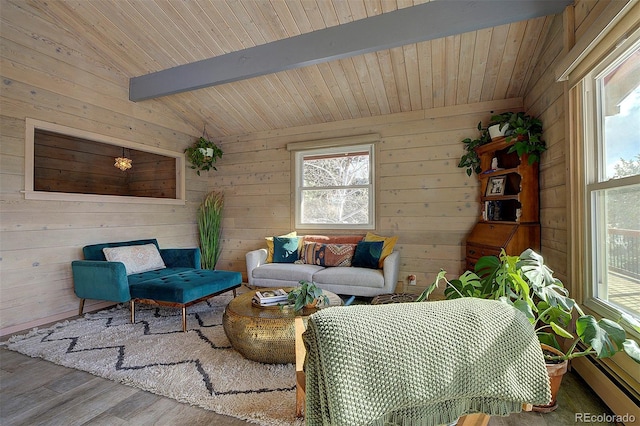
[{"x": 198, "y": 367}]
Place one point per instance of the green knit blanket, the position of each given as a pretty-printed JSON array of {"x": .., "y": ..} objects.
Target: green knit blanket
[{"x": 420, "y": 364}]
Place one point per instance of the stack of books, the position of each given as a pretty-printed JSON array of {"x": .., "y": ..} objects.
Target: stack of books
[{"x": 270, "y": 297}]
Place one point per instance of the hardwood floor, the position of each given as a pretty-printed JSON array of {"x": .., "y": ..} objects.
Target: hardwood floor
[{"x": 38, "y": 392}]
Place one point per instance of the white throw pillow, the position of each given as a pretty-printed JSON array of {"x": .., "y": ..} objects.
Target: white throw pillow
[{"x": 136, "y": 259}]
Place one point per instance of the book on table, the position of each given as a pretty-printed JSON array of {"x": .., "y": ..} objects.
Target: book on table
[{"x": 271, "y": 297}]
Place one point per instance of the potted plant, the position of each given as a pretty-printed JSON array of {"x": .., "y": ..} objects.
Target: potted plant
[
  {"x": 528, "y": 284},
  {"x": 306, "y": 295},
  {"x": 524, "y": 130},
  {"x": 203, "y": 154},
  {"x": 470, "y": 160},
  {"x": 210, "y": 228}
]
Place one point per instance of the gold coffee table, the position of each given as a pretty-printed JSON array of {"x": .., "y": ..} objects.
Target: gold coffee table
[{"x": 265, "y": 334}]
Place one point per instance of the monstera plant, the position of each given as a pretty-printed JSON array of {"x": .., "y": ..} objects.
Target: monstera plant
[{"x": 529, "y": 285}]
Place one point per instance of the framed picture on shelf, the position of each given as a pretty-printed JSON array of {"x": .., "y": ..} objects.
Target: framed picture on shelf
[{"x": 496, "y": 185}]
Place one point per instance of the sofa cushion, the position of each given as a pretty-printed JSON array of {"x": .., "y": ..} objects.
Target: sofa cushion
[
  {"x": 285, "y": 249},
  {"x": 357, "y": 277},
  {"x": 270, "y": 244},
  {"x": 186, "y": 286},
  {"x": 286, "y": 271},
  {"x": 136, "y": 259},
  {"x": 367, "y": 254},
  {"x": 387, "y": 248},
  {"x": 94, "y": 251},
  {"x": 158, "y": 273},
  {"x": 327, "y": 254}
]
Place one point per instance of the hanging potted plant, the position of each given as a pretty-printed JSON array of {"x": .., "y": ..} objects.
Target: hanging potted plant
[
  {"x": 527, "y": 284},
  {"x": 203, "y": 154}
]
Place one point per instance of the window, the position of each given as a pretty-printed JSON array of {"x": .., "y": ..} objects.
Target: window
[
  {"x": 334, "y": 188},
  {"x": 613, "y": 182}
]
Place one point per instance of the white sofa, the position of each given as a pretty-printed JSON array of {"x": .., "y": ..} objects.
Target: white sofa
[{"x": 349, "y": 280}]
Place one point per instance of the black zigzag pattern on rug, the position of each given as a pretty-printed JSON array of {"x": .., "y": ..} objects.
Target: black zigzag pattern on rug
[{"x": 120, "y": 362}]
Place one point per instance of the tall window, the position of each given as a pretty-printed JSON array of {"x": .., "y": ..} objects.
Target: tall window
[
  {"x": 334, "y": 188},
  {"x": 613, "y": 181}
]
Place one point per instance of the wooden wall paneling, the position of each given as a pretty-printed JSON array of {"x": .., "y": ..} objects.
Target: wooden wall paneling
[
  {"x": 585, "y": 13},
  {"x": 523, "y": 61},
  {"x": 52, "y": 75},
  {"x": 480, "y": 58},
  {"x": 23, "y": 100},
  {"x": 430, "y": 205},
  {"x": 376, "y": 80},
  {"x": 69, "y": 63},
  {"x": 438, "y": 72},
  {"x": 413, "y": 77},
  {"x": 545, "y": 99},
  {"x": 509, "y": 55},
  {"x": 465, "y": 67},
  {"x": 537, "y": 52},
  {"x": 394, "y": 84},
  {"x": 498, "y": 40},
  {"x": 426, "y": 74},
  {"x": 452, "y": 61},
  {"x": 341, "y": 102}
]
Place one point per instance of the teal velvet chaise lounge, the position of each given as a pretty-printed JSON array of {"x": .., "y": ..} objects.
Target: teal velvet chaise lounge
[{"x": 139, "y": 271}]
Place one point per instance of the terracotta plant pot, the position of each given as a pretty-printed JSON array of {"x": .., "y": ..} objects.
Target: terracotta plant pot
[
  {"x": 556, "y": 372},
  {"x": 312, "y": 305}
]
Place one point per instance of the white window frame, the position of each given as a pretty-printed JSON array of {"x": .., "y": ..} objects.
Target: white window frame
[
  {"x": 595, "y": 180},
  {"x": 337, "y": 151}
]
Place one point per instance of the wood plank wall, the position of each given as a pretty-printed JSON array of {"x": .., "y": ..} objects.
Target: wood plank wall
[
  {"x": 53, "y": 75},
  {"x": 422, "y": 196},
  {"x": 547, "y": 99}
]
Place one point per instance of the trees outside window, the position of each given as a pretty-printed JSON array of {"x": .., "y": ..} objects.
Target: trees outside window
[
  {"x": 613, "y": 181},
  {"x": 334, "y": 188}
]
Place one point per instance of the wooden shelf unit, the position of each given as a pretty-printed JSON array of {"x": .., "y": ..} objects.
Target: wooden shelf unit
[{"x": 510, "y": 219}]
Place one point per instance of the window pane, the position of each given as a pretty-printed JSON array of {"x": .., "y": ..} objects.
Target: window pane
[
  {"x": 335, "y": 206},
  {"x": 345, "y": 170},
  {"x": 620, "y": 99},
  {"x": 618, "y": 246}
]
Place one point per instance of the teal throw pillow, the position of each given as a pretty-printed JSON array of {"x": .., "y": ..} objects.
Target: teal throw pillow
[
  {"x": 368, "y": 254},
  {"x": 285, "y": 249}
]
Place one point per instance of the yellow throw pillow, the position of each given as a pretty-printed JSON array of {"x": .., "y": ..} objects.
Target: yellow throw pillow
[
  {"x": 270, "y": 244},
  {"x": 387, "y": 247}
]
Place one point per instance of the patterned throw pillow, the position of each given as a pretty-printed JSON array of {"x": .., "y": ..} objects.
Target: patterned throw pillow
[
  {"x": 328, "y": 254},
  {"x": 285, "y": 250},
  {"x": 368, "y": 254},
  {"x": 136, "y": 259}
]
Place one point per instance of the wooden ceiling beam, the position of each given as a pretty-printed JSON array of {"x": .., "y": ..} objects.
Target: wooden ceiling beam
[{"x": 428, "y": 21}]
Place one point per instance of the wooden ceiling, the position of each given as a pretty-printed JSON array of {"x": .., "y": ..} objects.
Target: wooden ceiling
[{"x": 137, "y": 37}]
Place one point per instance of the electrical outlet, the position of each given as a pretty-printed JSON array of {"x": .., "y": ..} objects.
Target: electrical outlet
[{"x": 412, "y": 279}]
